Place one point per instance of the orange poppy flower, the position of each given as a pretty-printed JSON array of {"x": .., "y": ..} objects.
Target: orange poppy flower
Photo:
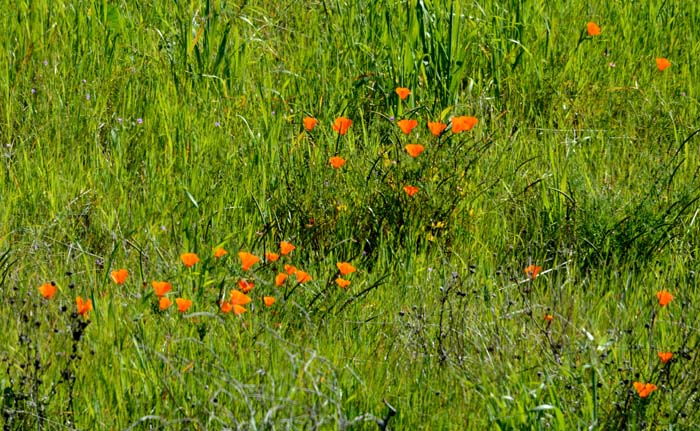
[
  {"x": 238, "y": 297},
  {"x": 548, "y": 317},
  {"x": 462, "y": 124},
  {"x": 662, "y": 64},
  {"x": 247, "y": 260},
  {"x": 403, "y": 92},
  {"x": 183, "y": 304},
  {"x": 644, "y": 389},
  {"x": 341, "y": 125},
  {"x": 302, "y": 277},
  {"x": 664, "y": 297},
  {"x": 290, "y": 269},
  {"x": 532, "y": 271},
  {"x": 410, "y": 190},
  {"x": 161, "y": 287},
  {"x": 189, "y": 259},
  {"x": 83, "y": 306},
  {"x": 343, "y": 283},
  {"x": 245, "y": 286},
  {"x": 286, "y": 248},
  {"x": 119, "y": 276},
  {"x": 271, "y": 257},
  {"x": 164, "y": 303},
  {"x": 280, "y": 279},
  {"x": 48, "y": 290},
  {"x": 238, "y": 309},
  {"x": 414, "y": 150},
  {"x": 220, "y": 252},
  {"x": 225, "y": 307},
  {"x": 436, "y": 127},
  {"x": 345, "y": 268},
  {"x": 665, "y": 356},
  {"x": 268, "y": 301},
  {"x": 336, "y": 162},
  {"x": 407, "y": 126},
  {"x": 310, "y": 123},
  {"x": 592, "y": 29}
]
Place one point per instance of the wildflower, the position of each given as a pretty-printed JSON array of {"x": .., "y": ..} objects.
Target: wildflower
[
  {"x": 345, "y": 268},
  {"x": 532, "y": 271},
  {"x": 548, "y": 317},
  {"x": 280, "y": 279},
  {"x": 183, "y": 304},
  {"x": 414, "y": 150},
  {"x": 662, "y": 64},
  {"x": 164, "y": 303},
  {"x": 664, "y": 297},
  {"x": 268, "y": 301},
  {"x": 310, "y": 123},
  {"x": 220, "y": 252},
  {"x": 286, "y": 248},
  {"x": 239, "y": 298},
  {"x": 247, "y": 260},
  {"x": 410, "y": 190},
  {"x": 225, "y": 307},
  {"x": 83, "y": 306},
  {"x": 341, "y": 125},
  {"x": 189, "y": 259},
  {"x": 644, "y": 389},
  {"x": 592, "y": 29},
  {"x": 119, "y": 276},
  {"x": 343, "y": 283},
  {"x": 302, "y": 277},
  {"x": 245, "y": 286},
  {"x": 664, "y": 357},
  {"x": 238, "y": 309},
  {"x": 48, "y": 290},
  {"x": 436, "y": 127},
  {"x": 161, "y": 287},
  {"x": 403, "y": 92},
  {"x": 462, "y": 124},
  {"x": 407, "y": 125},
  {"x": 290, "y": 269},
  {"x": 336, "y": 162},
  {"x": 271, "y": 257}
]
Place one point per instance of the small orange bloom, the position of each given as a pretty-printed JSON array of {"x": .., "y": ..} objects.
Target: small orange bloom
[
  {"x": 268, "y": 300},
  {"x": 271, "y": 257},
  {"x": 407, "y": 126},
  {"x": 183, "y": 304},
  {"x": 532, "y": 271},
  {"x": 341, "y": 125},
  {"x": 225, "y": 307},
  {"x": 119, "y": 276},
  {"x": 644, "y": 389},
  {"x": 410, "y": 190},
  {"x": 83, "y": 306},
  {"x": 343, "y": 283},
  {"x": 345, "y": 268},
  {"x": 286, "y": 248},
  {"x": 247, "y": 260},
  {"x": 189, "y": 259},
  {"x": 310, "y": 123},
  {"x": 220, "y": 252},
  {"x": 593, "y": 29},
  {"x": 403, "y": 92},
  {"x": 161, "y": 287},
  {"x": 414, "y": 150},
  {"x": 245, "y": 286},
  {"x": 290, "y": 269},
  {"x": 238, "y": 309},
  {"x": 48, "y": 290},
  {"x": 436, "y": 127},
  {"x": 336, "y": 162},
  {"x": 548, "y": 317},
  {"x": 664, "y": 297},
  {"x": 665, "y": 356},
  {"x": 164, "y": 303},
  {"x": 238, "y": 297},
  {"x": 280, "y": 279},
  {"x": 302, "y": 277},
  {"x": 662, "y": 64},
  {"x": 462, "y": 124}
]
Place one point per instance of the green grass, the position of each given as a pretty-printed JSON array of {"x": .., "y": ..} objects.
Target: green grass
[{"x": 133, "y": 132}]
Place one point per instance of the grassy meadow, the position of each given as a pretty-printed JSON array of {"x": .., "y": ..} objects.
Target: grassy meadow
[{"x": 533, "y": 265}]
